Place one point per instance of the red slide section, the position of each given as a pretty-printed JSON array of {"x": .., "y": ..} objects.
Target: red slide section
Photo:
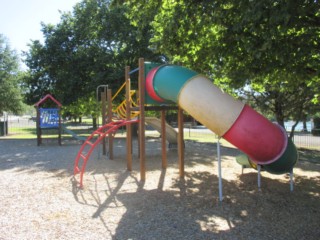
[
  {"x": 91, "y": 142},
  {"x": 262, "y": 140}
]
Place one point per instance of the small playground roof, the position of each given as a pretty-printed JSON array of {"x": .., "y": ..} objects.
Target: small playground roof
[{"x": 45, "y": 98}]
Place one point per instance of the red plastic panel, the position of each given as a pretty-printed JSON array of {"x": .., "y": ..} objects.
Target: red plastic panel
[
  {"x": 263, "y": 141},
  {"x": 149, "y": 85}
]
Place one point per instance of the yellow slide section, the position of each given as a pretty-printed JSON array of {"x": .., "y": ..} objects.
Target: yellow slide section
[{"x": 171, "y": 133}]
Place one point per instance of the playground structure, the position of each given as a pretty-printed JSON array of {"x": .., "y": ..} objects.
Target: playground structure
[
  {"x": 125, "y": 114},
  {"x": 163, "y": 87},
  {"x": 48, "y": 118}
]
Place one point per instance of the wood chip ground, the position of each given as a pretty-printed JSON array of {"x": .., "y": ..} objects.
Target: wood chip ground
[{"x": 39, "y": 198}]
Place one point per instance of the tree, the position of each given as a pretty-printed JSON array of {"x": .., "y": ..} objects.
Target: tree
[
  {"x": 276, "y": 45},
  {"x": 283, "y": 101},
  {"x": 270, "y": 46},
  {"x": 10, "y": 93},
  {"x": 83, "y": 106},
  {"x": 89, "y": 47}
]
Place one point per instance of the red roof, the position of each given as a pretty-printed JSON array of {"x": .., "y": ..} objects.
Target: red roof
[{"x": 48, "y": 96}]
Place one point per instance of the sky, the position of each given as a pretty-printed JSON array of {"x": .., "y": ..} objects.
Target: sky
[{"x": 20, "y": 19}]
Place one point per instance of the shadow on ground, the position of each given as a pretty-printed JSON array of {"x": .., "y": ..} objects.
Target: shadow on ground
[
  {"x": 189, "y": 208},
  {"x": 245, "y": 213}
]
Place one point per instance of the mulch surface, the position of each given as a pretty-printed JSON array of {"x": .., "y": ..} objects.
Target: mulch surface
[{"x": 40, "y": 199}]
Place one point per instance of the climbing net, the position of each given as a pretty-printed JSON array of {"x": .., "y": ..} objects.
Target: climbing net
[{"x": 121, "y": 109}]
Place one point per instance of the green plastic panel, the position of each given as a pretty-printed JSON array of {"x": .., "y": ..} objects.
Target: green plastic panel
[
  {"x": 286, "y": 162},
  {"x": 170, "y": 79}
]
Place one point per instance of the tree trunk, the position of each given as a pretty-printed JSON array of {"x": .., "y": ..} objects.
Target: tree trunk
[
  {"x": 292, "y": 129},
  {"x": 280, "y": 117},
  {"x": 304, "y": 129},
  {"x": 279, "y": 114},
  {"x": 94, "y": 122}
]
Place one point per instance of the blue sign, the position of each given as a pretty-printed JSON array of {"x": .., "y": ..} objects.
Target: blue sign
[{"x": 49, "y": 117}]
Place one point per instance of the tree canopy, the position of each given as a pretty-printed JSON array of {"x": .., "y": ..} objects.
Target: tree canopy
[
  {"x": 87, "y": 48},
  {"x": 10, "y": 93},
  {"x": 269, "y": 47},
  {"x": 268, "y": 50}
]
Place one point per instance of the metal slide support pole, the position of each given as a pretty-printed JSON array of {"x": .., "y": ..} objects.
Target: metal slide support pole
[
  {"x": 142, "y": 137},
  {"x": 219, "y": 170},
  {"x": 291, "y": 180},
  {"x": 104, "y": 121},
  {"x": 259, "y": 176},
  {"x": 97, "y": 92}
]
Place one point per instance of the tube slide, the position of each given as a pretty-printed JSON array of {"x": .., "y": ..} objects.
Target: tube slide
[{"x": 264, "y": 142}]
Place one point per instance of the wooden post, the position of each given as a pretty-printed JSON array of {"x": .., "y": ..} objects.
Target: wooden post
[
  {"x": 180, "y": 143},
  {"x": 38, "y": 127},
  {"x": 138, "y": 126},
  {"x": 163, "y": 139},
  {"x": 142, "y": 121},
  {"x": 60, "y": 127},
  {"x": 128, "y": 116},
  {"x": 110, "y": 136},
  {"x": 103, "y": 113}
]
